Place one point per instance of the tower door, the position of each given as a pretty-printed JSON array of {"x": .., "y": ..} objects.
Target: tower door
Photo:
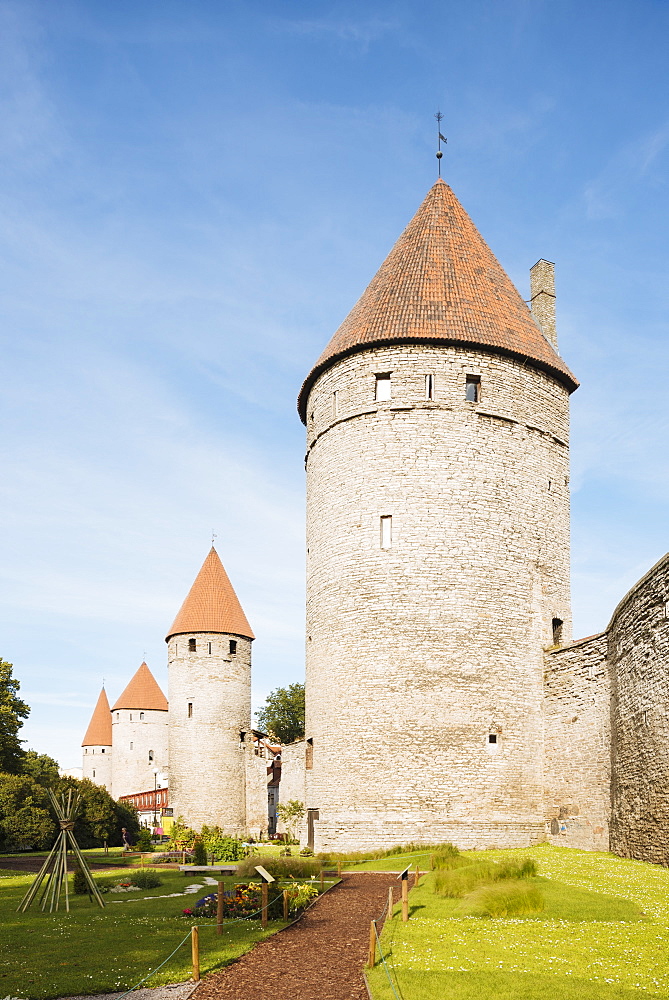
[{"x": 312, "y": 815}]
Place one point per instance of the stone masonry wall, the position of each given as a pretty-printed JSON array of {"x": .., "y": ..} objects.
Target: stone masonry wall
[
  {"x": 577, "y": 705},
  {"x": 293, "y": 784},
  {"x": 136, "y": 735},
  {"x": 639, "y": 657},
  {"x": 207, "y": 773},
  {"x": 97, "y": 765},
  {"x": 418, "y": 653},
  {"x": 256, "y": 792}
]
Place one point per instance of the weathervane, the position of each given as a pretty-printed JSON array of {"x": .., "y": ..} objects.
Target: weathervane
[
  {"x": 213, "y": 536},
  {"x": 440, "y": 138}
]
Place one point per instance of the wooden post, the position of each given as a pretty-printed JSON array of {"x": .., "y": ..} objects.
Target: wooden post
[
  {"x": 432, "y": 862},
  {"x": 371, "y": 961},
  {"x": 195, "y": 951},
  {"x": 390, "y": 903},
  {"x": 219, "y": 908},
  {"x": 183, "y": 857},
  {"x": 405, "y": 900},
  {"x": 417, "y": 876},
  {"x": 285, "y": 904},
  {"x": 264, "y": 905},
  {"x": 339, "y": 869},
  {"x": 322, "y": 880}
]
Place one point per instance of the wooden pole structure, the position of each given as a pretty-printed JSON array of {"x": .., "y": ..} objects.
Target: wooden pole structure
[
  {"x": 285, "y": 904},
  {"x": 195, "y": 951},
  {"x": 264, "y": 905},
  {"x": 219, "y": 908},
  {"x": 417, "y": 875},
  {"x": 405, "y": 900},
  {"x": 322, "y": 880},
  {"x": 339, "y": 869},
  {"x": 371, "y": 961},
  {"x": 390, "y": 903},
  {"x": 432, "y": 862}
]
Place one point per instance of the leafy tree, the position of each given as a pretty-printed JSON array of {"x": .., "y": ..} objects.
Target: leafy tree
[
  {"x": 290, "y": 814},
  {"x": 41, "y": 768},
  {"x": 282, "y": 715},
  {"x": 12, "y": 713},
  {"x": 99, "y": 817},
  {"x": 26, "y": 821}
]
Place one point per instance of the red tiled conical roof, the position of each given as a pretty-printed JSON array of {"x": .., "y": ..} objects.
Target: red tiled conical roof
[
  {"x": 142, "y": 692},
  {"x": 211, "y": 604},
  {"x": 441, "y": 284},
  {"x": 99, "y": 732}
]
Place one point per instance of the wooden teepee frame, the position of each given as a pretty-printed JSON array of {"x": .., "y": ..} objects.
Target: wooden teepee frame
[{"x": 54, "y": 869}]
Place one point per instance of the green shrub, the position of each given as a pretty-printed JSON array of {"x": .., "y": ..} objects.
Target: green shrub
[
  {"x": 199, "y": 853},
  {"x": 144, "y": 842},
  {"x": 457, "y": 882},
  {"x": 222, "y": 848},
  {"x": 79, "y": 883},
  {"x": 280, "y": 867},
  {"x": 523, "y": 868},
  {"x": 146, "y": 878},
  {"x": 504, "y": 899}
]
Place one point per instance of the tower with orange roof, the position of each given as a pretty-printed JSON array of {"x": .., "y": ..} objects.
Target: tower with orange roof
[
  {"x": 209, "y": 662},
  {"x": 437, "y": 547},
  {"x": 97, "y": 745},
  {"x": 139, "y": 735}
]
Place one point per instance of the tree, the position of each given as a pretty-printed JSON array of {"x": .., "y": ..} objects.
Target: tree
[
  {"x": 26, "y": 821},
  {"x": 12, "y": 713},
  {"x": 290, "y": 814},
  {"x": 41, "y": 768},
  {"x": 282, "y": 715},
  {"x": 99, "y": 817}
]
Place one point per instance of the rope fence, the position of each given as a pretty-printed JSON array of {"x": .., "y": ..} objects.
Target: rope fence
[{"x": 374, "y": 938}]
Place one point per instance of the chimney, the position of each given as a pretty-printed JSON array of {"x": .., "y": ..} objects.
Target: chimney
[{"x": 542, "y": 299}]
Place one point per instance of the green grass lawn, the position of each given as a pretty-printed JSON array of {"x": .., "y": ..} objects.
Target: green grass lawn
[
  {"x": 94, "y": 951},
  {"x": 603, "y": 935}
]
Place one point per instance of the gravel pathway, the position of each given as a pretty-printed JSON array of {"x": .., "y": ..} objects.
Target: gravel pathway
[{"x": 320, "y": 957}]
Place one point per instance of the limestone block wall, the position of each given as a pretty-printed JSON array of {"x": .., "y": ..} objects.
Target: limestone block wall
[
  {"x": 97, "y": 765},
  {"x": 577, "y": 705},
  {"x": 210, "y": 715},
  {"x": 293, "y": 784},
  {"x": 639, "y": 657},
  {"x": 419, "y": 652},
  {"x": 256, "y": 793},
  {"x": 139, "y": 739}
]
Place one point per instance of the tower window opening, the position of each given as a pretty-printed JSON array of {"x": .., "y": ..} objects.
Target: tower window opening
[
  {"x": 118, "y": 716},
  {"x": 473, "y": 388},
  {"x": 141, "y": 716},
  {"x": 645, "y": 718},
  {"x": 86, "y": 750},
  {"x": 190, "y": 709},
  {"x": 103, "y": 750},
  {"x": 93, "y": 773},
  {"x": 132, "y": 746},
  {"x": 309, "y": 755},
  {"x": 386, "y": 532},
  {"x": 192, "y": 648},
  {"x": 233, "y": 647},
  {"x": 131, "y": 716},
  {"x": 335, "y": 403},
  {"x": 150, "y": 756},
  {"x": 383, "y": 387},
  {"x": 492, "y": 737},
  {"x": 557, "y": 631},
  {"x": 429, "y": 386},
  {"x": 209, "y": 648}
]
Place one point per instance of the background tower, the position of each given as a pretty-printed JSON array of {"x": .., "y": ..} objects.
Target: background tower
[
  {"x": 438, "y": 549},
  {"x": 209, "y": 658},
  {"x": 97, "y": 745},
  {"x": 139, "y": 728}
]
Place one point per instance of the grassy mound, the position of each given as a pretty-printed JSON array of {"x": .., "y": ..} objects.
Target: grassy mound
[
  {"x": 506, "y": 898},
  {"x": 456, "y": 882},
  {"x": 279, "y": 867}
]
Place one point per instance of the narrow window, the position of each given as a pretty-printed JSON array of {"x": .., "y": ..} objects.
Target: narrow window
[
  {"x": 429, "y": 386},
  {"x": 233, "y": 647},
  {"x": 86, "y": 751},
  {"x": 131, "y": 716},
  {"x": 645, "y": 718},
  {"x": 209, "y": 648},
  {"x": 191, "y": 646},
  {"x": 473, "y": 388},
  {"x": 309, "y": 755},
  {"x": 150, "y": 756},
  {"x": 335, "y": 403},
  {"x": 118, "y": 716},
  {"x": 141, "y": 716},
  {"x": 557, "y": 631},
  {"x": 386, "y": 532},
  {"x": 93, "y": 773},
  {"x": 190, "y": 709},
  {"x": 383, "y": 387},
  {"x": 492, "y": 738},
  {"x": 103, "y": 750},
  {"x": 131, "y": 746}
]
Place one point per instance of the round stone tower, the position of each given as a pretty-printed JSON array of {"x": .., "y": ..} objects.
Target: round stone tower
[
  {"x": 209, "y": 658},
  {"x": 438, "y": 549},
  {"x": 97, "y": 745},
  {"x": 139, "y": 727}
]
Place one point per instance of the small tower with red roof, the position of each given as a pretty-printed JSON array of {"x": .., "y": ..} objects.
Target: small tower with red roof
[
  {"x": 209, "y": 660},
  {"x": 97, "y": 745},
  {"x": 139, "y": 727}
]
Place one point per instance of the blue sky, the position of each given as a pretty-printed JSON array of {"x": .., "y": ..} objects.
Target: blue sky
[{"x": 195, "y": 194}]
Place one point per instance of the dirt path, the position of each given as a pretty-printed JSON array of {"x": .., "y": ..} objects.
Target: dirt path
[{"x": 319, "y": 958}]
